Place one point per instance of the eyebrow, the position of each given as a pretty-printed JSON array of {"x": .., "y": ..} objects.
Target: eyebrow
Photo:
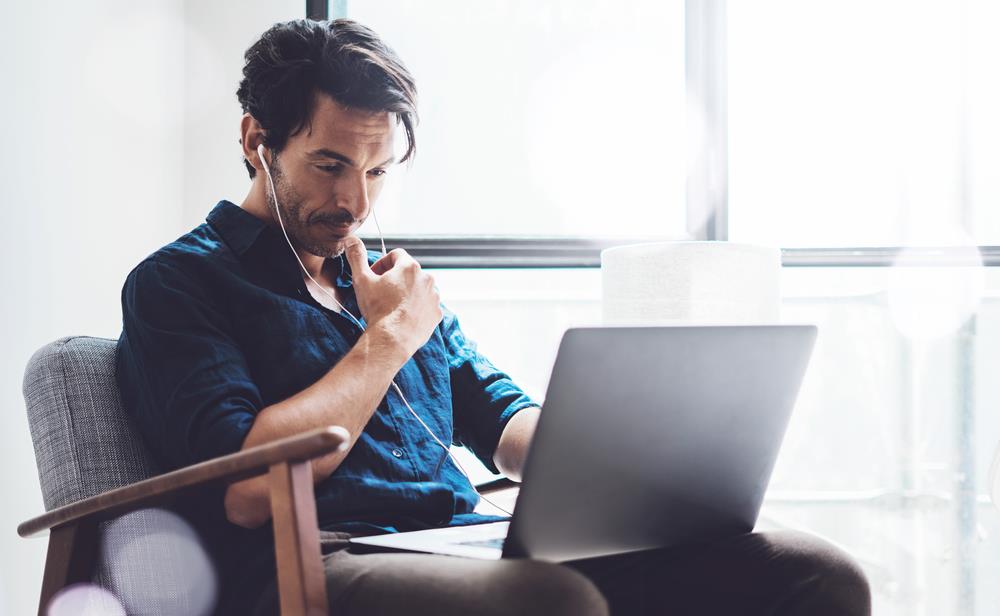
[{"x": 327, "y": 153}]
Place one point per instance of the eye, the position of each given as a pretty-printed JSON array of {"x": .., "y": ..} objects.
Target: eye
[
  {"x": 330, "y": 168},
  {"x": 377, "y": 172}
]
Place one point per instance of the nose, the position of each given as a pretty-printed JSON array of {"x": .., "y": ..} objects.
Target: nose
[{"x": 352, "y": 195}]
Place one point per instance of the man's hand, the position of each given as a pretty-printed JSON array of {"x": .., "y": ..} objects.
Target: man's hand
[{"x": 395, "y": 295}]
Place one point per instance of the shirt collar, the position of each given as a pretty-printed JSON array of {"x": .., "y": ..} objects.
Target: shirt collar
[{"x": 247, "y": 235}]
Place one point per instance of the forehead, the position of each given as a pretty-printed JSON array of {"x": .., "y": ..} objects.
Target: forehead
[{"x": 337, "y": 127}]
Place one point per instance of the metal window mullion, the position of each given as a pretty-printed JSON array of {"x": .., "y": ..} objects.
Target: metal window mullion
[
  {"x": 966, "y": 497},
  {"x": 706, "y": 79},
  {"x": 547, "y": 252},
  {"x": 967, "y": 533},
  {"x": 317, "y": 9}
]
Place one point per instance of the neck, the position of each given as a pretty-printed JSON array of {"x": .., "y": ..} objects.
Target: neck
[
  {"x": 256, "y": 200},
  {"x": 314, "y": 264}
]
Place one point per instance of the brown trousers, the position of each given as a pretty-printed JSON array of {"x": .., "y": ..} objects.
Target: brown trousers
[{"x": 773, "y": 573}]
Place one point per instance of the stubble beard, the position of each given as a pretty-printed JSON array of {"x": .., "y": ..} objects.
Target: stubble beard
[{"x": 295, "y": 223}]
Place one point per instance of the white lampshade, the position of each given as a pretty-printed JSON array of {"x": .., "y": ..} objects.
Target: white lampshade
[{"x": 672, "y": 282}]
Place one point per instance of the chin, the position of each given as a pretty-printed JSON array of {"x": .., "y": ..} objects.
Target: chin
[{"x": 325, "y": 246}]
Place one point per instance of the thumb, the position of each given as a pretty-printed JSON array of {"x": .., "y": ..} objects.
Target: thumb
[{"x": 357, "y": 257}]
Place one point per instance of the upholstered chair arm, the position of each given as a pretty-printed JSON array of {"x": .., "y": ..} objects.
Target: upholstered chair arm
[{"x": 73, "y": 536}]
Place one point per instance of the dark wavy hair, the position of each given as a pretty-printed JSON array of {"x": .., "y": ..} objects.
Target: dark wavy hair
[{"x": 295, "y": 60}]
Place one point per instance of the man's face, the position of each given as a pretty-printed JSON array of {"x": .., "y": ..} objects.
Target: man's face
[{"x": 328, "y": 175}]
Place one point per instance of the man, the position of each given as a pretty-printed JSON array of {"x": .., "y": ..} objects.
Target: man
[{"x": 243, "y": 331}]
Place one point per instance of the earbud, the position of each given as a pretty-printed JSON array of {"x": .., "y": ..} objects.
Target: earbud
[{"x": 260, "y": 153}]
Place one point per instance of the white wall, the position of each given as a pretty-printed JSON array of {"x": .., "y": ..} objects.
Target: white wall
[
  {"x": 215, "y": 42},
  {"x": 120, "y": 126}
]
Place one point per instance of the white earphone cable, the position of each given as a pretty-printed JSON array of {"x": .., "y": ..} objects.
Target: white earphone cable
[{"x": 357, "y": 321}]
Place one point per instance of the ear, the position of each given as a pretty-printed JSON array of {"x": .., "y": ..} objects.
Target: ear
[{"x": 251, "y": 135}]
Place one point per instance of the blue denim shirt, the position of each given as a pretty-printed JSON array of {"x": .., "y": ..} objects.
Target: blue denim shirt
[{"x": 218, "y": 325}]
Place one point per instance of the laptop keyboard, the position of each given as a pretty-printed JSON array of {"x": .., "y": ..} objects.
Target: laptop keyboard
[{"x": 496, "y": 543}]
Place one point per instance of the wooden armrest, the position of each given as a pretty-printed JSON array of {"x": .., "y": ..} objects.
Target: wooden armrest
[
  {"x": 234, "y": 467},
  {"x": 496, "y": 485}
]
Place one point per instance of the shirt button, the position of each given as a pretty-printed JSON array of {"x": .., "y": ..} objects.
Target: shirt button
[{"x": 398, "y": 453}]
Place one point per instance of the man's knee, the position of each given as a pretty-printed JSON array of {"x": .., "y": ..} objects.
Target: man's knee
[
  {"x": 550, "y": 589},
  {"x": 828, "y": 574}
]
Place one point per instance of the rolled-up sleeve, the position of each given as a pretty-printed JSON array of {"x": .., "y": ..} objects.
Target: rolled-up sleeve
[
  {"x": 483, "y": 398},
  {"x": 181, "y": 375}
]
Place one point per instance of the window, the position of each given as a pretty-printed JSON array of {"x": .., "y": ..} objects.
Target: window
[
  {"x": 539, "y": 118},
  {"x": 864, "y": 123},
  {"x": 842, "y": 127}
]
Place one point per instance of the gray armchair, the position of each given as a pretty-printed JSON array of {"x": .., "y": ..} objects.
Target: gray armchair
[{"x": 93, "y": 468}]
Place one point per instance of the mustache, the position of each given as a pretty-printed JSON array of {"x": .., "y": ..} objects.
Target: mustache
[{"x": 341, "y": 218}]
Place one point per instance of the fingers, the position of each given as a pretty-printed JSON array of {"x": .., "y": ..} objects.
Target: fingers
[
  {"x": 357, "y": 257},
  {"x": 397, "y": 257},
  {"x": 385, "y": 263}
]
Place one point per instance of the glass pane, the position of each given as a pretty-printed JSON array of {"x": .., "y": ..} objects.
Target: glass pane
[
  {"x": 554, "y": 118},
  {"x": 864, "y": 123},
  {"x": 889, "y": 447}
]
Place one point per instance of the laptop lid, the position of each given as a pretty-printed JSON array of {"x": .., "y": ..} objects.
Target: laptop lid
[{"x": 652, "y": 436}]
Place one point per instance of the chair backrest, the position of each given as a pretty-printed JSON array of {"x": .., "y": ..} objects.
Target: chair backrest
[{"x": 84, "y": 442}]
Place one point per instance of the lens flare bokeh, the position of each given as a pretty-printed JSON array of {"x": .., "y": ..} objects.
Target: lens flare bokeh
[{"x": 155, "y": 563}]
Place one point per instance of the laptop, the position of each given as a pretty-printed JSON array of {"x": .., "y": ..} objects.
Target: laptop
[{"x": 649, "y": 437}]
